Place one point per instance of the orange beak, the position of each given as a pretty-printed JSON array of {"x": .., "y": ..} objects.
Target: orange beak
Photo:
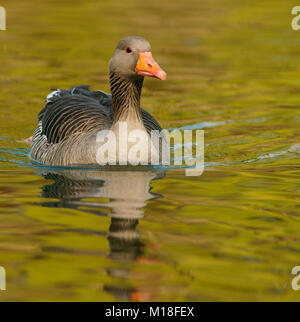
[{"x": 147, "y": 66}]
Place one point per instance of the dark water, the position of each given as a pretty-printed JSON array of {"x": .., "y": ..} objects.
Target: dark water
[{"x": 229, "y": 234}]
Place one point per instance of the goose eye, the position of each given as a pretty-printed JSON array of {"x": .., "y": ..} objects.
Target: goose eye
[{"x": 128, "y": 50}]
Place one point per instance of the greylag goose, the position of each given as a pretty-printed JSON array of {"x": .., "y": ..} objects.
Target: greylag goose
[{"x": 69, "y": 123}]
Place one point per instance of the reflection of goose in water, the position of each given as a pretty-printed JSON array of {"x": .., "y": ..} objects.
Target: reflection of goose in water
[{"x": 124, "y": 193}]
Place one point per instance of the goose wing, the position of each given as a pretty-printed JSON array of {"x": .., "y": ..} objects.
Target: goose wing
[
  {"x": 78, "y": 110},
  {"x": 150, "y": 122},
  {"x": 72, "y": 111}
]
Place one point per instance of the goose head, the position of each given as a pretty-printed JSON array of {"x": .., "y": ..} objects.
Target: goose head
[{"x": 133, "y": 59}]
